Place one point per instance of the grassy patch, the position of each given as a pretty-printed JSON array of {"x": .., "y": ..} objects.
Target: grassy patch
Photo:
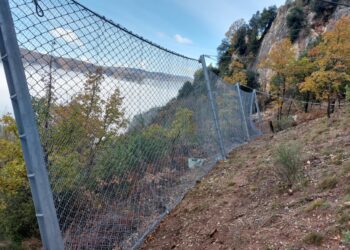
[
  {"x": 288, "y": 163},
  {"x": 231, "y": 184},
  {"x": 313, "y": 238},
  {"x": 342, "y": 214},
  {"x": 343, "y": 217},
  {"x": 338, "y": 160},
  {"x": 200, "y": 208},
  {"x": 347, "y": 189},
  {"x": 346, "y": 169},
  {"x": 276, "y": 205},
  {"x": 284, "y": 123},
  {"x": 319, "y": 203},
  {"x": 346, "y": 237},
  {"x": 328, "y": 183}
]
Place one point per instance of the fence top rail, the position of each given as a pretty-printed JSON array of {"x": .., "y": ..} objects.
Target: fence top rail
[{"x": 132, "y": 33}]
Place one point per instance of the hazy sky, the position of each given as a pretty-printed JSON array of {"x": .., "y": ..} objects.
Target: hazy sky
[{"x": 190, "y": 27}]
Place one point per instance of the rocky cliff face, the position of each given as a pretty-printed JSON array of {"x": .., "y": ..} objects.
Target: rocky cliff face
[{"x": 279, "y": 31}]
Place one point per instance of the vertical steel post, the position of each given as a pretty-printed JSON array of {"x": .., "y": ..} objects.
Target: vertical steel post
[
  {"x": 213, "y": 107},
  {"x": 28, "y": 132},
  {"x": 257, "y": 109},
  {"x": 242, "y": 112}
]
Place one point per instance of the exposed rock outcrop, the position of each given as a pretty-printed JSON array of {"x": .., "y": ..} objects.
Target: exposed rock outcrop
[{"x": 279, "y": 31}]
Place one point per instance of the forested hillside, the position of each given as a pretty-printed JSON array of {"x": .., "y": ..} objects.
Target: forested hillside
[{"x": 299, "y": 51}]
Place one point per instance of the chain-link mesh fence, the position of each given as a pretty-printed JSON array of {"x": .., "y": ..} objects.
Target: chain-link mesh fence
[
  {"x": 235, "y": 106},
  {"x": 126, "y": 126}
]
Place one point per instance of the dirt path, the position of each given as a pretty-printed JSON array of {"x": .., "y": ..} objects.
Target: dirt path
[{"x": 240, "y": 204}]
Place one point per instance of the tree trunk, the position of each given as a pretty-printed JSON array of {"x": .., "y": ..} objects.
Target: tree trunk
[
  {"x": 329, "y": 106},
  {"x": 307, "y": 99}
]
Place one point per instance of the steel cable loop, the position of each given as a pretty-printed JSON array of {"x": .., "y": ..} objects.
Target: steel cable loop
[{"x": 38, "y": 9}]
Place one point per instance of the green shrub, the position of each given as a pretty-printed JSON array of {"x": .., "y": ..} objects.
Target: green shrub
[
  {"x": 316, "y": 204},
  {"x": 284, "y": 123},
  {"x": 289, "y": 163},
  {"x": 17, "y": 216},
  {"x": 295, "y": 22},
  {"x": 347, "y": 88},
  {"x": 314, "y": 238},
  {"x": 328, "y": 183},
  {"x": 343, "y": 216},
  {"x": 346, "y": 237}
]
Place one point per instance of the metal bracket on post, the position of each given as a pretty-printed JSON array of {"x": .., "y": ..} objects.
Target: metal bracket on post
[
  {"x": 242, "y": 112},
  {"x": 29, "y": 135},
  {"x": 257, "y": 108},
  {"x": 213, "y": 107}
]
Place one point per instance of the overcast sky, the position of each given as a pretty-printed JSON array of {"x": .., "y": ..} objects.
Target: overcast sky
[{"x": 190, "y": 27}]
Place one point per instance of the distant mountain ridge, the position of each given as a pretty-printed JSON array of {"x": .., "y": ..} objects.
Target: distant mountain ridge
[{"x": 122, "y": 73}]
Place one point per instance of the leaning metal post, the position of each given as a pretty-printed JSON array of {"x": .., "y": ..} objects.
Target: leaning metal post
[
  {"x": 213, "y": 107},
  {"x": 257, "y": 108},
  {"x": 28, "y": 132},
  {"x": 242, "y": 112}
]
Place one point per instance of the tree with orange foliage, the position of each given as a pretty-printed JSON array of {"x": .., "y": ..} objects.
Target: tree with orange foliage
[
  {"x": 237, "y": 73},
  {"x": 281, "y": 61},
  {"x": 332, "y": 60}
]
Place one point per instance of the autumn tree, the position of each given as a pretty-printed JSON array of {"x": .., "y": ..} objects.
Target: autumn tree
[
  {"x": 281, "y": 61},
  {"x": 302, "y": 68},
  {"x": 332, "y": 60},
  {"x": 92, "y": 117},
  {"x": 237, "y": 73},
  {"x": 234, "y": 27},
  {"x": 78, "y": 129}
]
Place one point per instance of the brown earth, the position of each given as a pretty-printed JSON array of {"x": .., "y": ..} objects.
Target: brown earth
[{"x": 241, "y": 204}]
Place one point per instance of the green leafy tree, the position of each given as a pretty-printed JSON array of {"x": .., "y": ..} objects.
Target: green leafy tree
[
  {"x": 224, "y": 56},
  {"x": 199, "y": 83},
  {"x": 181, "y": 133},
  {"x": 295, "y": 22},
  {"x": 17, "y": 215},
  {"x": 85, "y": 123},
  {"x": 266, "y": 19},
  {"x": 186, "y": 90},
  {"x": 323, "y": 8},
  {"x": 239, "y": 41}
]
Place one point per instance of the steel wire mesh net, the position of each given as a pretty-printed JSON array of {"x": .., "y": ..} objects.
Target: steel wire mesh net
[
  {"x": 126, "y": 126},
  {"x": 236, "y": 120}
]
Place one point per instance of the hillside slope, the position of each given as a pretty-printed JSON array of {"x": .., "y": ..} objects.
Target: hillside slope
[{"x": 240, "y": 204}]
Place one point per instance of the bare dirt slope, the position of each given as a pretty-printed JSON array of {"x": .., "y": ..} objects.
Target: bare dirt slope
[{"x": 241, "y": 205}]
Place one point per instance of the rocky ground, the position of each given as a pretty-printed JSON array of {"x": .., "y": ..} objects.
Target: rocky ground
[{"x": 243, "y": 204}]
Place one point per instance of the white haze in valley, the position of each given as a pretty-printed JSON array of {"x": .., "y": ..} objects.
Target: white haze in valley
[
  {"x": 5, "y": 102},
  {"x": 139, "y": 97}
]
